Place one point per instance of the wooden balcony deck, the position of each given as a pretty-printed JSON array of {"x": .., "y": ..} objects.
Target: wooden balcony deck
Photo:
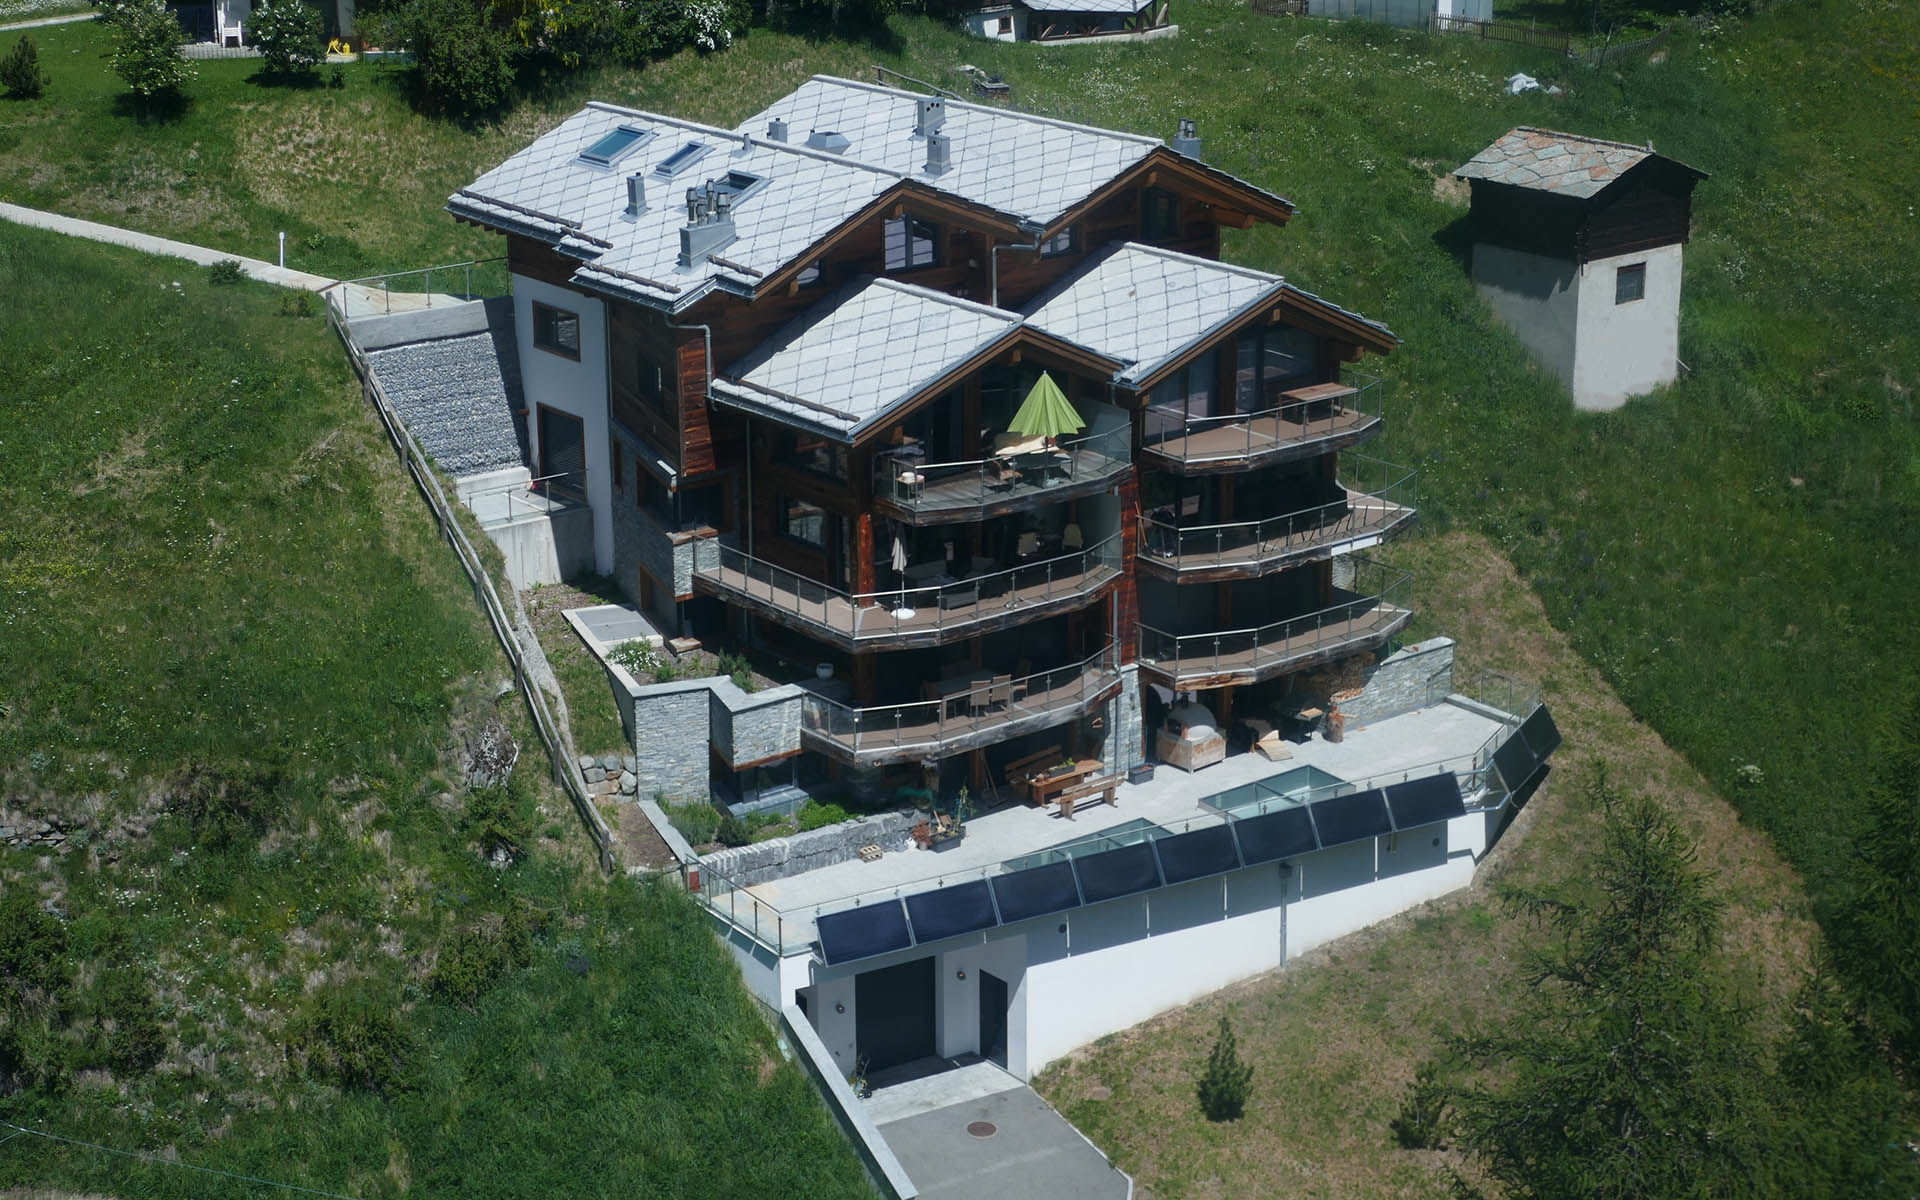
[
  {"x": 1247, "y": 656},
  {"x": 1258, "y": 548}
]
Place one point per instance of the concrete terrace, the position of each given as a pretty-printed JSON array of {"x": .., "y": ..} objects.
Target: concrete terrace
[{"x": 1441, "y": 737}]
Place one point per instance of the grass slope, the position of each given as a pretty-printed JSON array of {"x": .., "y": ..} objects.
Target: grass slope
[{"x": 211, "y": 559}]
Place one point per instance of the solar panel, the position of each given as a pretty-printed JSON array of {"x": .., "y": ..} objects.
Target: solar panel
[
  {"x": 1035, "y": 892},
  {"x": 1119, "y": 872},
  {"x": 1514, "y": 760},
  {"x": 1542, "y": 735},
  {"x": 863, "y": 932},
  {"x": 1351, "y": 818},
  {"x": 1283, "y": 833},
  {"x": 951, "y": 911},
  {"x": 1206, "y": 851},
  {"x": 1420, "y": 802}
]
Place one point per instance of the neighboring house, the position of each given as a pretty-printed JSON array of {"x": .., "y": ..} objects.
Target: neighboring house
[
  {"x": 224, "y": 22},
  {"x": 1072, "y": 20},
  {"x": 1407, "y": 14},
  {"x": 794, "y": 370},
  {"x": 1577, "y": 245}
]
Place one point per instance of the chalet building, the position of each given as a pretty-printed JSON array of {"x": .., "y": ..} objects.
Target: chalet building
[
  {"x": 1069, "y": 21},
  {"x": 955, "y": 412},
  {"x": 781, "y": 364},
  {"x": 1577, "y": 245}
]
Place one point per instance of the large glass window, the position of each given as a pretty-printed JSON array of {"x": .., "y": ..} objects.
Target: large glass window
[
  {"x": 1183, "y": 399},
  {"x": 556, "y": 330},
  {"x": 803, "y": 522},
  {"x": 912, "y": 243},
  {"x": 1269, "y": 361}
]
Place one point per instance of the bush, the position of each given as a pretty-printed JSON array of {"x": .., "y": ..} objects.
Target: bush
[
  {"x": 697, "y": 820},
  {"x": 733, "y": 831},
  {"x": 137, "y": 1039},
  {"x": 147, "y": 55},
  {"x": 500, "y": 820},
  {"x": 35, "y": 982},
  {"x": 351, "y": 1037},
  {"x": 226, "y": 273},
  {"x": 476, "y": 958},
  {"x": 734, "y": 665},
  {"x": 20, "y": 70},
  {"x": 226, "y": 811},
  {"x": 289, "y": 35},
  {"x": 463, "y": 64},
  {"x": 1226, "y": 1083},
  {"x": 819, "y": 816}
]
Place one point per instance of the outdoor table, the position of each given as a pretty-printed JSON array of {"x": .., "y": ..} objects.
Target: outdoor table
[{"x": 1044, "y": 788}]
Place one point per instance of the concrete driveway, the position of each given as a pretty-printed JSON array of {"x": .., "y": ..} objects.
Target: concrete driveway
[{"x": 976, "y": 1131}]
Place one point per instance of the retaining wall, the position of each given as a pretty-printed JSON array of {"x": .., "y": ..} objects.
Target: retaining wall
[{"x": 781, "y": 857}]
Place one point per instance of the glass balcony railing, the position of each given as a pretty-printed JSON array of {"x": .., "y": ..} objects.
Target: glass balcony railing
[
  {"x": 921, "y": 488},
  {"x": 1303, "y": 417},
  {"x": 1378, "y": 498},
  {"x": 1377, "y": 607}
]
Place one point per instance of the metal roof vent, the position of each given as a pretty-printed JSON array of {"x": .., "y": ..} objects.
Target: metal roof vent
[
  {"x": 1187, "y": 140},
  {"x": 709, "y": 224},
  {"x": 636, "y": 195},
  {"x": 930, "y": 113},
  {"x": 939, "y": 154},
  {"x": 777, "y": 130},
  {"x": 829, "y": 140}
]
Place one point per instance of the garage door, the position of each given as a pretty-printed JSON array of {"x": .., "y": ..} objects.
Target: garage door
[{"x": 893, "y": 1014}]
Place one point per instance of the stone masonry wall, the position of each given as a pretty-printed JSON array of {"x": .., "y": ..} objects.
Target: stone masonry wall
[
  {"x": 1126, "y": 736},
  {"x": 1410, "y": 678},
  {"x": 668, "y": 725},
  {"x": 750, "y": 727},
  {"x": 780, "y": 857}
]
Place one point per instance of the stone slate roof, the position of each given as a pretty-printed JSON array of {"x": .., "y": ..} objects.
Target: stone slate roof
[
  {"x": 1099, "y": 7},
  {"x": 460, "y": 397},
  {"x": 1144, "y": 305},
  {"x": 850, "y": 360},
  {"x": 1563, "y": 164},
  {"x": 1031, "y": 168}
]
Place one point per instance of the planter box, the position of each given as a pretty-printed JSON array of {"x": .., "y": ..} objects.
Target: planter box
[{"x": 1141, "y": 774}]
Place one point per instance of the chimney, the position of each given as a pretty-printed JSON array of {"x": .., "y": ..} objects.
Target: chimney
[
  {"x": 828, "y": 140},
  {"x": 777, "y": 130},
  {"x": 1187, "y": 140},
  {"x": 930, "y": 113},
  {"x": 636, "y": 195},
  {"x": 709, "y": 224},
  {"x": 939, "y": 153}
]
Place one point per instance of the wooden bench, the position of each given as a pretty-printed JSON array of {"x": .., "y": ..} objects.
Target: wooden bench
[
  {"x": 1100, "y": 785},
  {"x": 1021, "y": 770}
]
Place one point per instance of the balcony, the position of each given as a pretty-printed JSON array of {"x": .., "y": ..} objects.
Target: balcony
[
  {"x": 902, "y": 618},
  {"x": 928, "y": 493},
  {"x": 1306, "y": 421},
  {"x": 1377, "y": 502},
  {"x": 958, "y": 714},
  {"x": 1377, "y": 607}
]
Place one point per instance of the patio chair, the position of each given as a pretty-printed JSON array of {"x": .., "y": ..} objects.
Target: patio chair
[
  {"x": 979, "y": 701},
  {"x": 1000, "y": 695},
  {"x": 1071, "y": 539}
]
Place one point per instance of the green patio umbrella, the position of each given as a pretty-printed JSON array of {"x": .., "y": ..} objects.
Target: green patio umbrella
[{"x": 1046, "y": 412}]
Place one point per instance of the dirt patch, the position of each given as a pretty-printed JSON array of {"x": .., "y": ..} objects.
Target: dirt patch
[{"x": 637, "y": 843}]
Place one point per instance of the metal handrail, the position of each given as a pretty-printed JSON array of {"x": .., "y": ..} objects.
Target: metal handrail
[
  {"x": 1367, "y": 401},
  {"x": 899, "y": 609},
  {"x": 385, "y": 282},
  {"x": 1277, "y": 640},
  {"x": 927, "y": 723},
  {"x": 1113, "y": 448},
  {"x": 1245, "y": 543}
]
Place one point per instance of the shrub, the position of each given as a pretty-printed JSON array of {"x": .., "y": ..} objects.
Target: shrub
[
  {"x": 734, "y": 665},
  {"x": 225, "y": 811},
  {"x": 642, "y": 660},
  {"x": 733, "y": 831},
  {"x": 297, "y": 304},
  {"x": 1421, "y": 1122},
  {"x": 225, "y": 273},
  {"x": 351, "y": 1037},
  {"x": 20, "y": 70},
  {"x": 147, "y": 54},
  {"x": 818, "y": 816},
  {"x": 137, "y": 1039},
  {"x": 697, "y": 820},
  {"x": 476, "y": 958},
  {"x": 289, "y": 35},
  {"x": 35, "y": 981},
  {"x": 500, "y": 820},
  {"x": 1226, "y": 1082},
  {"x": 463, "y": 65}
]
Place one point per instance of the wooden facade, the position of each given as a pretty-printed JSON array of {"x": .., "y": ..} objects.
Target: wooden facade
[{"x": 1649, "y": 205}]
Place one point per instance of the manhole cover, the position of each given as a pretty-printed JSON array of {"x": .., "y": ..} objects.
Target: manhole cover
[{"x": 983, "y": 1129}]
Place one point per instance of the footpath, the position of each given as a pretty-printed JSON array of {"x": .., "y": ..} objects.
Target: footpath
[
  {"x": 254, "y": 268},
  {"x": 66, "y": 20}
]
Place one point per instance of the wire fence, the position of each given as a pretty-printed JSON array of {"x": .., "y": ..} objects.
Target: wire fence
[{"x": 558, "y": 740}]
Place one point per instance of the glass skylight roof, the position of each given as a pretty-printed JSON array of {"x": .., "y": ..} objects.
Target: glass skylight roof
[
  {"x": 611, "y": 146},
  {"x": 680, "y": 159}
]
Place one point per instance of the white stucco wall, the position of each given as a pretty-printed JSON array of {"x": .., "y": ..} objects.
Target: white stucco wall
[
  {"x": 1536, "y": 297},
  {"x": 579, "y": 388},
  {"x": 986, "y": 24},
  {"x": 1627, "y": 349}
]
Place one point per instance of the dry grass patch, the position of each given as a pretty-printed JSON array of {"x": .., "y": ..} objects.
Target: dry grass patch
[{"x": 1334, "y": 1039}]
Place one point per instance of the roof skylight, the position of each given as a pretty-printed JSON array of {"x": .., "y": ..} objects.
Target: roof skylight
[
  {"x": 681, "y": 159},
  {"x": 612, "y": 146},
  {"x": 739, "y": 184}
]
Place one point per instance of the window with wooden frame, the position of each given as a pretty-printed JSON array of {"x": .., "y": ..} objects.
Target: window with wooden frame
[
  {"x": 912, "y": 244},
  {"x": 811, "y": 453},
  {"x": 802, "y": 521},
  {"x": 556, "y": 331},
  {"x": 1067, "y": 241},
  {"x": 1630, "y": 284},
  {"x": 812, "y": 275},
  {"x": 1159, "y": 215}
]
